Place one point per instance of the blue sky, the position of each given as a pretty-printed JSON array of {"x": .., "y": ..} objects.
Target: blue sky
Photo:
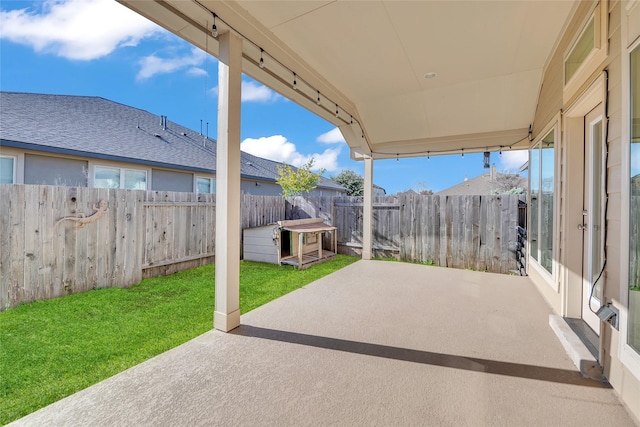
[{"x": 100, "y": 48}]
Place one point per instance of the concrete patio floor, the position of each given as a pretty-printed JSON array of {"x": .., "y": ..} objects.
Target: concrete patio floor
[{"x": 376, "y": 343}]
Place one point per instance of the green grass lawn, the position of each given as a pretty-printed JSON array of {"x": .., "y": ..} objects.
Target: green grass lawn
[{"x": 51, "y": 349}]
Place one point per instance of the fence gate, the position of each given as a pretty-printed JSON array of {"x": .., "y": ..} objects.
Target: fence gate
[{"x": 347, "y": 215}]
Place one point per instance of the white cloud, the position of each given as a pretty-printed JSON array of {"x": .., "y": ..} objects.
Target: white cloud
[
  {"x": 512, "y": 160},
  {"x": 152, "y": 64},
  {"x": 327, "y": 160},
  {"x": 76, "y": 29},
  {"x": 332, "y": 137},
  {"x": 279, "y": 149},
  {"x": 254, "y": 92},
  {"x": 196, "y": 72}
]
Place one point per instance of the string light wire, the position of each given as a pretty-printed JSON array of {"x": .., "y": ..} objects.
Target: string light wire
[
  {"x": 460, "y": 150},
  {"x": 297, "y": 79}
]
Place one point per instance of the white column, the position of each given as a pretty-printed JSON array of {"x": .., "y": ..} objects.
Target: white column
[
  {"x": 227, "y": 307},
  {"x": 367, "y": 209}
]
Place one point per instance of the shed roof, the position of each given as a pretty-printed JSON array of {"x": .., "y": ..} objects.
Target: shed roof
[{"x": 309, "y": 228}]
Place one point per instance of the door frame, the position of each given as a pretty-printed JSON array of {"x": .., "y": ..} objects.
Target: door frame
[
  {"x": 573, "y": 125},
  {"x": 589, "y": 271}
]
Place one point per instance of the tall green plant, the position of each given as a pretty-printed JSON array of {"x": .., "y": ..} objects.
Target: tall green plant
[
  {"x": 295, "y": 182},
  {"x": 350, "y": 180}
]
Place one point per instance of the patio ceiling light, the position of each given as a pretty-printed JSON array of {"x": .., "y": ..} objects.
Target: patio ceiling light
[{"x": 430, "y": 75}]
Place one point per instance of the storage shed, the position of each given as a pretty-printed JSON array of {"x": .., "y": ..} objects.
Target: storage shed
[{"x": 294, "y": 242}]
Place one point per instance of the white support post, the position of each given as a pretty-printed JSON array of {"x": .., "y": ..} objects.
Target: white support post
[
  {"x": 227, "y": 306},
  {"x": 367, "y": 210}
]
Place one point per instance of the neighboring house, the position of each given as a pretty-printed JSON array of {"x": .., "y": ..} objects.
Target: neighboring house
[
  {"x": 91, "y": 141},
  {"x": 489, "y": 183}
]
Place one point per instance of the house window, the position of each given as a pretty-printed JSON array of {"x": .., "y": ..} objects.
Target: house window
[
  {"x": 7, "y": 170},
  {"x": 130, "y": 179},
  {"x": 542, "y": 164},
  {"x": 634, "y": 206},
  {"x": 50, "y": 170},
  {"x": 587, "y": 51},
  {"x": 534, "y": 188},
  {"x": 206, "y": 185},
  {"x": 580, "y": 51}
]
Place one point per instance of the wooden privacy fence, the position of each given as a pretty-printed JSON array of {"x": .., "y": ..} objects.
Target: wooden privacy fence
[
  {"x": 475, "y": 232},
  {"x": 152, "y": 233},
  {"x": 142, "y": 234}
]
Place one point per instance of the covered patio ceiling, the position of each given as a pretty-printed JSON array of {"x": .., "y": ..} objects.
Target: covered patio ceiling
[{"x": 364, "y": 65}]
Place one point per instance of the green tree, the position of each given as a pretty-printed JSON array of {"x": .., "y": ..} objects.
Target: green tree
[
  {"x": 297, "y": 181},
  {"x": 350, "y": 180}
]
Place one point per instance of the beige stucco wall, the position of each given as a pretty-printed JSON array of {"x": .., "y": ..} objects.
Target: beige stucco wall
[{"x": 623, "y": 28}]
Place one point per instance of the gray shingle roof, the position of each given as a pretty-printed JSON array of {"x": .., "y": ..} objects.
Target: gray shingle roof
[
  {"x": 480, "y": 185},
  {"x": 99, "y": 128}
]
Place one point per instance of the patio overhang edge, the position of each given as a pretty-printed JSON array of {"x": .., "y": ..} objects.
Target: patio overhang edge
[{"x": 513, "y": 139}]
